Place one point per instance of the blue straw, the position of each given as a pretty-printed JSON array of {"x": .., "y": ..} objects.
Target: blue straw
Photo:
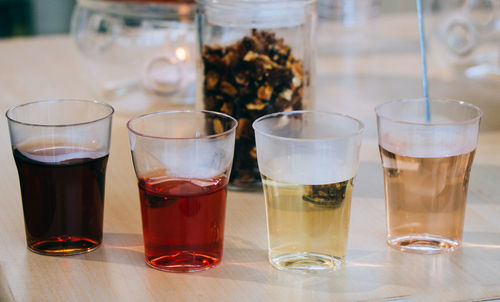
[{"x": 423, "y": 57}]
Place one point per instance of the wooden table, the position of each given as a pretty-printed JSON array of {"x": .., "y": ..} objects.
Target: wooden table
[{"x": 44, "y": 68}]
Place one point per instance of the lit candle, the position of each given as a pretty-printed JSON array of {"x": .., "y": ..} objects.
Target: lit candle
[{"x": 181, "y": 54}]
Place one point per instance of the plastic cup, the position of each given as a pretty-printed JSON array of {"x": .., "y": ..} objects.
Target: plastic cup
[
  {"x": 61, "y": 150},
  {"x": 182, "y": 160},
  {"x": 426, "y": 171},
  {"x": 308, "y": 161}
]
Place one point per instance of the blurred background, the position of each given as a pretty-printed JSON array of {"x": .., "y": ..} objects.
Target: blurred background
[
  {"x": 34, "y": 17},
  {"x": 40, "y": 17},
  {"x": 123, "y": 54}
]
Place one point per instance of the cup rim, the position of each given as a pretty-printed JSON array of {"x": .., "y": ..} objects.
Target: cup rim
[
  {"x": 360, "y": 124},
  {"x": 232, "y": 129},
  {"x": 11, "y": 110},
  {"x": 479, "y": 112}
]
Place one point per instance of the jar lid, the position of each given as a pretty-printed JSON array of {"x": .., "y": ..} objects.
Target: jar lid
[{"x": 257, "y": 13}]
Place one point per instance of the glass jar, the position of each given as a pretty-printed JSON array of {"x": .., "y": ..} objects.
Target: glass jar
[
  {"x": 255, "y": 57},
  {"x": 465, "y": 38},
  {"x": 137, "y": 53}
]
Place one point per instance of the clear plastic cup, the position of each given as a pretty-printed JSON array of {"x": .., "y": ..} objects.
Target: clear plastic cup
[
  {"x": 308, "y": 161},
  {"x": 183, "y": 160},
  {"x": 61, "y": 151},
  {"x": 426, "y": 166}
]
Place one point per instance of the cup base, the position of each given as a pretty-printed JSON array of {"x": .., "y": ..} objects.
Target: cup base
[
  {"x": 304, "y": 262},
  {"x": 423, "y": 244},
  {"x": 59, "y": 247},
  {"x": 184, "y": 262}
]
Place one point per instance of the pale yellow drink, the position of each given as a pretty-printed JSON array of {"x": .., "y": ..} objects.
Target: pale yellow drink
[{"x": 307, "y": 224}]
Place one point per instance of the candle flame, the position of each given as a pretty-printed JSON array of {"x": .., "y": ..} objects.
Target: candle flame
[{"x": 181, "y": 53}]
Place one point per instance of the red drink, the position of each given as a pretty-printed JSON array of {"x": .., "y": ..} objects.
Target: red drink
[{"x": 183, "y": 222}]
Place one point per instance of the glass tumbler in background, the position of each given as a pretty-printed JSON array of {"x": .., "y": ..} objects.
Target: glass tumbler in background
[
  {"x": 426, "y": 166},
  {"x": 61, "y": 150},
  {"x": 137, "y": 54},
  {"x": 182, "y": 160},
  {"x": 307, "y": 161}
]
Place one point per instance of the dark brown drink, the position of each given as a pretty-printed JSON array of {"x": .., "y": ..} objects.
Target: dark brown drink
[{"x": 62, "y": 190}]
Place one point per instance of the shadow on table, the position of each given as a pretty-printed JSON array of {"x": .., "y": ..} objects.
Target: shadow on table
[
  {"x": 121, "y": 248},
  {"x": 372, "y": 272},
  {"x": 484, "y": 245},
  {"x": 244, "y": 261},
  {"x": 482, "y": 240},
  {"x": 366, "y": 273},
  {"x": 5, "y": 292},
  {"x": 477, "y": 262}
]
